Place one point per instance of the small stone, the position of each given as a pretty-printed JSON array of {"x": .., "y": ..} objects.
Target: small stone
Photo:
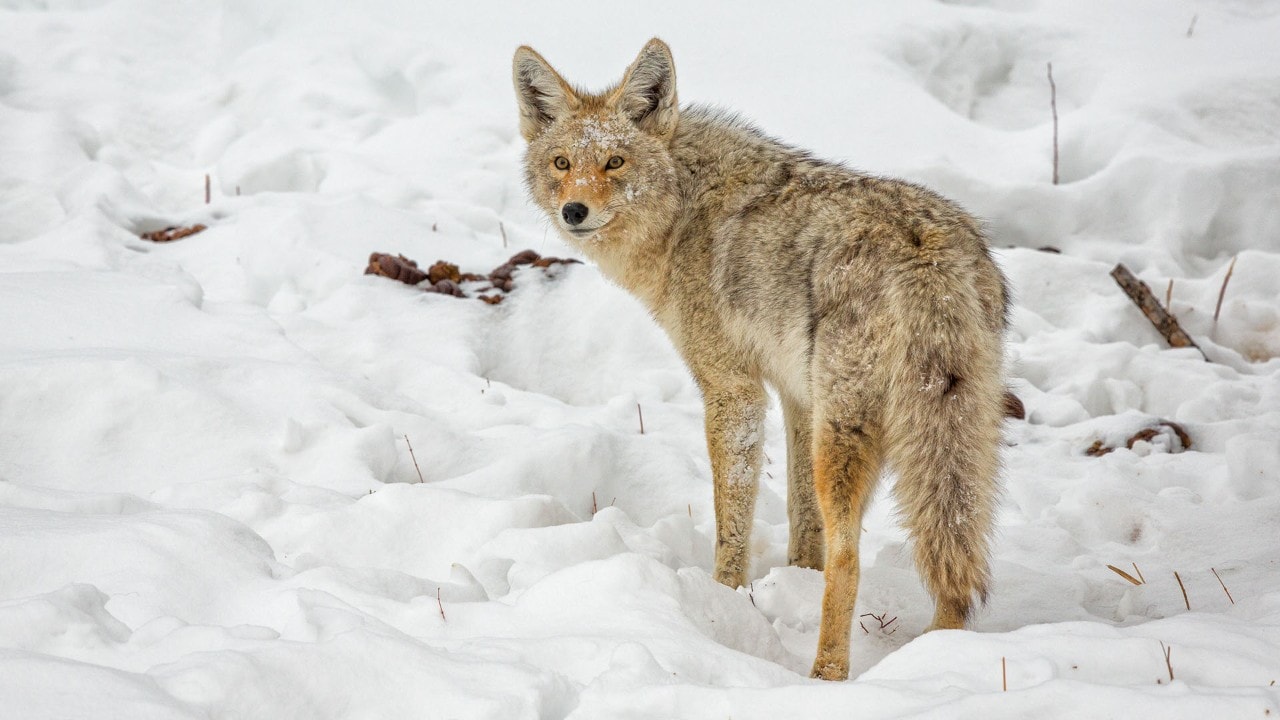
[
  {"x": 449, "y": 287},
  {"x": 443, "y": 271}
]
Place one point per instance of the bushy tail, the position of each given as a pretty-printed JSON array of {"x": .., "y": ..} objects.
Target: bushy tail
[{"x": 942, "y": 428}]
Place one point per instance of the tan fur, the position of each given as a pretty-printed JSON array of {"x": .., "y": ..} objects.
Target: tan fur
[{"x": 870, "y": 305}]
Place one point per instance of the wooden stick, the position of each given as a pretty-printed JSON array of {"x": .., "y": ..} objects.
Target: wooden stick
[
  {"x": 1224, "y": 586},
  {"x": 1167, "y": 652},
  {"x": 641, "y": 414},
  {"x": 1187, "y": 602},
  {"x": 207, "y": 189},
  {"x": 1135, "y": 569},
  {"x": 1053, "y": 104},
  {"x": 1222, "y": 292},
  {"x": 1141, "y": 296},
  {"x": 1125, "y": 575},
  {"x": 440, "y": 605},
  {"x": 414, "y": 457},
  {"x": 1004, "y": 676},
  {"x": 501, "y": 228}
]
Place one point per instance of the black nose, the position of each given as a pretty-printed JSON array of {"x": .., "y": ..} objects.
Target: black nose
[{"x": 574, "y": 213}]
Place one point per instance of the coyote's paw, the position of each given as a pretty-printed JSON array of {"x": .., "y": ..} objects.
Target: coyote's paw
[
  {"x": 948, "y": 616},
  {"x": 730, "y": 578},
  {"x": 823, "y": 670},
  {"x": 808, "y": 556}
]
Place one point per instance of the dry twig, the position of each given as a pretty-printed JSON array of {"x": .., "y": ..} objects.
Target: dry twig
[
  {"x": 1141, "y": 295},
  {"x": 884, "y": 624},
  {"x": 1167, "y": 652},
  {"x": 1053, "y": 104},
  {"x": 414, "y": 458},
  {"x": 1185, "y": 601},
  {"x": 1125, "y": 575},
  {"x": 1222, "y": 292},
  {"x": 1224, "y": 586}
]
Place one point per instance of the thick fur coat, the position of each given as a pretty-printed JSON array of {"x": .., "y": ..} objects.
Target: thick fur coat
[{"x": 870, "y": 305}]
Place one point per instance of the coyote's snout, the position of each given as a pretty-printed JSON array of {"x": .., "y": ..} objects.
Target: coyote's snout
[{"x": 870, "y": 305}]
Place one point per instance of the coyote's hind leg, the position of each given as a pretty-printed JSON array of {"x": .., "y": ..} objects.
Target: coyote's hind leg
[
  {"x": 805, "y": 544},
  {"x": 846, "y": 463}
]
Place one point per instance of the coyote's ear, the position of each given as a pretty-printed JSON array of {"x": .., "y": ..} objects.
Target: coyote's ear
[
  {"x": 541, "y": 93},
  {"x": 647, "y": 93}
]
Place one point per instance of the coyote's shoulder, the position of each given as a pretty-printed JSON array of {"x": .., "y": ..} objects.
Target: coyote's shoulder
[
  {"x": 781, "y": 238},
  {"x": 871, "y": 305}
]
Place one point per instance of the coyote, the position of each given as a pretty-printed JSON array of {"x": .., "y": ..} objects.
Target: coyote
[{"x": 871, "y": 306}]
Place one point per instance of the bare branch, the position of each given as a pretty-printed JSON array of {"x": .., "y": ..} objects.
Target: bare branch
[
  {"x": 1222, "y": 292},
  {"x": 1141, "y": 296},
  {"x": 414, "y": 458},
  {"x": 1053, "y": 105}
]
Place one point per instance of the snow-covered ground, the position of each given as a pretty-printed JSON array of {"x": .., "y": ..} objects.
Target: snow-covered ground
[{"x": 208, "y": 507}]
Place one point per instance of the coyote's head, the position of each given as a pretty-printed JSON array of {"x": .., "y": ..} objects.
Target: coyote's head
[{"x": 599, "y": 164}]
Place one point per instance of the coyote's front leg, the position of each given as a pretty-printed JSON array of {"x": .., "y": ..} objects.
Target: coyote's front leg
[{"x": 735, "y": 419}]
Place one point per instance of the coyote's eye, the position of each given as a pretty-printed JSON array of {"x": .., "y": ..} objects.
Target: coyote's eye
[
  {"x": 561, "y": 162},
  {"x": 614, "y": 163}
]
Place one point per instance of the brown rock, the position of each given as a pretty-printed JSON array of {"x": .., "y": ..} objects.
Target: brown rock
[
  {"x": 1151, "y": 432},
  {"x": 170, "y": 234},
  {"x": 396, "y": 267},
  {"x": 549, "y": 261},
  {"x": 444, "y": 271},
  {"x": 502, "y": 272},
  {"x": 449, "y": 287},
  {"x": 1013, "y": 407},
  {"x": 1098, "y": 449}
]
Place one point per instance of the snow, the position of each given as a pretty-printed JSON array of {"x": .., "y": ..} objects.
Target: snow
[{"x": 208, "y": 507}]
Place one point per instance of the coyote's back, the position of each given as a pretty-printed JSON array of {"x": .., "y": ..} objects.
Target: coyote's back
[{"x": 871, "y": 305}]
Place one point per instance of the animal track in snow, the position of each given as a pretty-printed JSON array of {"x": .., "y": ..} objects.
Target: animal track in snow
[{"x": 994, "y": 73}]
